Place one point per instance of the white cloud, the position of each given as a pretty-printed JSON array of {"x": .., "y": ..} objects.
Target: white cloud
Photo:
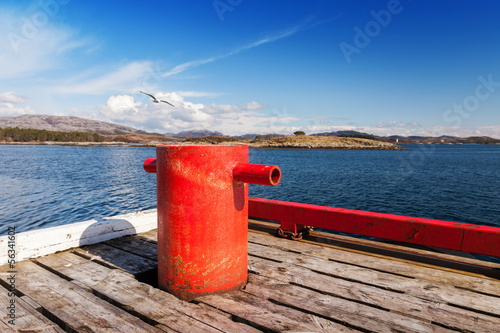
[
  {"x": 161, "y": 117},
  {"x": 253, "y": 106},
  {"x": 9, "y": 105}
]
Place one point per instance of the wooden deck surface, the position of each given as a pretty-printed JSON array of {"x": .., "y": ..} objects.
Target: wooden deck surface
[{"x": 323, "y": 284}]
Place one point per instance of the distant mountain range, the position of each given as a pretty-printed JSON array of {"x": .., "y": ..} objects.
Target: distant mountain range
[
  {"x": 195, "y": 133},
  {"x": 77, "y": 124},
  {"x": 65, "y": 124},
  {"x": 339, "y": 133}
]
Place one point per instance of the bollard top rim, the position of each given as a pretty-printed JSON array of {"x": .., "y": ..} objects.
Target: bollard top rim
[{"x": 202, "y": 145}]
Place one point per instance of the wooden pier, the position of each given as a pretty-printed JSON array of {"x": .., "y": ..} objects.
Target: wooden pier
[{"x": 324, "y": 283}]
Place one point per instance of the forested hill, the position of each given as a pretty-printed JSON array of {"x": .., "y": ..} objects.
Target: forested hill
[{"x": 31, "y": 135}]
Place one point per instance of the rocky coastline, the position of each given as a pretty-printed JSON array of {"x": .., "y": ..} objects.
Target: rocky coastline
[{"x": 285, "y": 142}]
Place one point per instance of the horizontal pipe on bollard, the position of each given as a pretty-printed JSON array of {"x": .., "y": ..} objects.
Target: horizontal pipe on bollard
[
  {"x": 150, "y": 165},
  {"x": 456, "y": 236},
  {"x": 257, "y": 174}
]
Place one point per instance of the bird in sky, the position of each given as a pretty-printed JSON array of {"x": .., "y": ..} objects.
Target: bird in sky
[{"x": 155, "y": 100}]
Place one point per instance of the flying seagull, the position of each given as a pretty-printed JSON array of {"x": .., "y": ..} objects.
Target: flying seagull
[{"x": 156, "y": 100}]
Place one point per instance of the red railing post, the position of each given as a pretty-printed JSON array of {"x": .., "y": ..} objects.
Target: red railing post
[{"x": 464, "y": 237}]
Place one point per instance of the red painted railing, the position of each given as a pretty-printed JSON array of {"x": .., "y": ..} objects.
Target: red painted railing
[{"x": 435, "y": 233}]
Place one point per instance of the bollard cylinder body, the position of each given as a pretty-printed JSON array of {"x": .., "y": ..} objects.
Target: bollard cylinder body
[{"x": 202, "y": 219}]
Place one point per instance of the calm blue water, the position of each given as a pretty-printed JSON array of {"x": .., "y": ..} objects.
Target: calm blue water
[{"x": 44, "y": 186}]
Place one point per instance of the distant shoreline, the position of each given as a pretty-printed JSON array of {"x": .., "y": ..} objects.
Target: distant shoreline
[{"x": 250, "y": 145}]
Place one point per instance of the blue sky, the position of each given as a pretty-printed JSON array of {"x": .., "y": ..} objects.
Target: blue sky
[{"x": 239, "y": 66}]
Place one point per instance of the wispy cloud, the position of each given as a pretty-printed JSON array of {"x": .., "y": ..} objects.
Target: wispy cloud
[
  {"x": 11, "y": 97},
  {"x": 265, "y": 40},
  {"x": 28, "y": 54},
  {"x": 126, "y": 78}
]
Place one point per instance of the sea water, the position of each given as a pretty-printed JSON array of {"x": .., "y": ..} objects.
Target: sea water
[{"x": 48, "y": 185}]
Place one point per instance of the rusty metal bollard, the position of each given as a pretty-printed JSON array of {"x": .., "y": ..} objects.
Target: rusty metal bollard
[{"x": 202, "y": 197}]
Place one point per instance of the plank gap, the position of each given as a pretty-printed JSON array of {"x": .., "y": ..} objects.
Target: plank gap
[
  {"x": 236, "y": 318},
  {"x": 6, "y": 285},
  {"x": 266, "y": 258},
  {"x": 341, "y": 297},
  {"x": 278, "y": 248},
  {"x": 53, "y": 271},
  {"x": 474, "y": 310},
  {"x": 340, "y": 322},
  {"x": 356, "y": 281},
  {"x": 129, "y": 251},
  {"x": 128, "y": 309},
  {"x": 477, "y": 291},
  {"x": 31, "y": 302},
  {"x": 463, "y": 330},
  {"x": 371, "y": 268},
  {"x": 89, "y": 257},
  {"x": 56, "y": 320}
]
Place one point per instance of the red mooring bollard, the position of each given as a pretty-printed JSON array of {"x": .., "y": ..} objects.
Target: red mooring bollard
[{"x": 203, "y": 216}]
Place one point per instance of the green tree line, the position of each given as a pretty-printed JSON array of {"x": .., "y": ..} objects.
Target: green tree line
[
  {"x": 26, "y": 135},
  {"x": 361, "y": 136}
]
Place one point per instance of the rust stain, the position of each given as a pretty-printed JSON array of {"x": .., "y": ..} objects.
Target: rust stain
[{"x": 413, "y": 235}]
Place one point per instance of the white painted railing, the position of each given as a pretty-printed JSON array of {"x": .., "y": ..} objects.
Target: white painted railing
[{"x": 37, "y": 243}]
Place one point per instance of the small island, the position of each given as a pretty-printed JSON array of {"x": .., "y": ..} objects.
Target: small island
[{"x": 301, "y": 142}]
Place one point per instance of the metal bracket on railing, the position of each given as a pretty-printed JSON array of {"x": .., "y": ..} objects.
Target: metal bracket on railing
[{"x": 280, "y": 232}]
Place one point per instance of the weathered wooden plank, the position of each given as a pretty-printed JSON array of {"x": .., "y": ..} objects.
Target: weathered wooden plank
[
  {"x": 74, "y": 307},
  {"x": 31, "y": 302},
  {"x": 148, "y": 302},
  {"x": 36, "y": 243},
  {"x": 481, "y": 284},
  {"x": 428, "y": 290},
  {"x": 392, "y": 301},
  {"x": 27, "y": 319},
  {"x": 117, "y": 258},
  {"x": 151, "y": 235},
  {"x": 4, "y": 327},
  {"x": 490, "y": 304},
  {"x": 338, "y": 309},
  {"x": 138, "y": 245},
  {"x": 269, "y": 316}
]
